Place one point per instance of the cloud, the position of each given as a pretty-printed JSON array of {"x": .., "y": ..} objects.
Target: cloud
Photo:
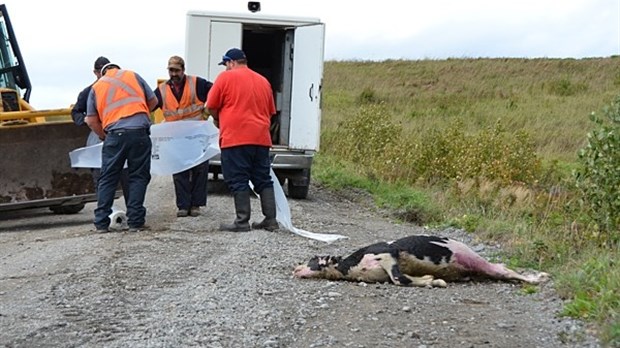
[{"x": 60, "y": 39}]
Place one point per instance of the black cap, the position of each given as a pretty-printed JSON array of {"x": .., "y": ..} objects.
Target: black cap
[
  {"x": 100, "y": 62},
  {"x": 232, "y": 54}
]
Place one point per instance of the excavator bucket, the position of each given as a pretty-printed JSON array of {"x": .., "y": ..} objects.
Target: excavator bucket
[{"x": 35, "y": 168}]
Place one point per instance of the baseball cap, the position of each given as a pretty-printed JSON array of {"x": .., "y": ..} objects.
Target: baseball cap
[
  {"x": 176, "y": 62},
  {"x": 108, "y": 66},
  {"x": 232, "y": 54},
  {"x": 100, "y": 62}
]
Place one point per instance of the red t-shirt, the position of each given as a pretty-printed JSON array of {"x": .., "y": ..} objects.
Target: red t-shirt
[{"x": 245, "y": 103}]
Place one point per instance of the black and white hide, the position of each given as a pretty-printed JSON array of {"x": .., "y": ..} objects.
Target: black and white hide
[{"x": 419, "y": 260}]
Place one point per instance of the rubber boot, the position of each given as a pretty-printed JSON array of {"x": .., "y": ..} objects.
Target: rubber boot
[
  {"x": 243, "y": 210},
  {"x": 268, "y": 206}
]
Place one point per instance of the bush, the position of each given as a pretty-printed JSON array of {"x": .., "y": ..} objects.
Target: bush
[
  {"x": 565, "y": 87},
  {"x": 599, "y": 177},
  {"x": 372, "y": 140},
  {"x": 364, "y": 138},
  {"x": 368, "y": 96},
  {"x": 493, "y": 155}
]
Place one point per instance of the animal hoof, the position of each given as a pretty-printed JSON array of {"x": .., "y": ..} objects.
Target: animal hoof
[
  {"x": 301, "y": 271},
  {"x": 439, "y": 283},
  {"x": 539, "y": 278}
]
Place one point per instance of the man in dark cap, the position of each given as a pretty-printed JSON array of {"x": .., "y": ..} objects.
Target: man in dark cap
[
  {"x": 79, "y": 111},
  {"x": 242, "y": 103},
  {"x": 118, "y": 110}
]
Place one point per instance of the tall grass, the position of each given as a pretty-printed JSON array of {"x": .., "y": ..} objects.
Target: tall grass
[
  {"x": 549, "y": 99},
  {"x": 487, "y": 145}
]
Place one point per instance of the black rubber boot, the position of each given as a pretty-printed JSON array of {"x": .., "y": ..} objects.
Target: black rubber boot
[
  {"x": 243, "y": 210},
  {"x": 268, "y": 206}
]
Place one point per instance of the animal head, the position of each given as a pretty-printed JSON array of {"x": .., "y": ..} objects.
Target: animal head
[{"x": 320, "y": 267}]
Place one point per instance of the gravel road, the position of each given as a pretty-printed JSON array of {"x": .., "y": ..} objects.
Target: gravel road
[{"x": 185, "y": 284}]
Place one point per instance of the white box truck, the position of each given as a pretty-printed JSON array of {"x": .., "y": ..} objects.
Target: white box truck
[{"x": 288, "y": 51}]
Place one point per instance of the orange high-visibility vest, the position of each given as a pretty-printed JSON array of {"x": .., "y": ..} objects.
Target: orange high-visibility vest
[
  {"x": 118, "y": 94},
  {"x": 189, "y": 107}
]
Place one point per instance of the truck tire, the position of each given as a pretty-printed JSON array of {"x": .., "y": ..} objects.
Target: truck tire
[
  {"x": 67, "y": 209},
  {"x": 298, "y": 189},
  {"x": 281, "y": 179}
]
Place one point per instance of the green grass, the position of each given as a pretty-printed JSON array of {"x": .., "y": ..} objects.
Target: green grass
[
  {"x": 551, "y": 99},
  {"x": 405, "y": 202},
  {"x": 487, "y": 145}
]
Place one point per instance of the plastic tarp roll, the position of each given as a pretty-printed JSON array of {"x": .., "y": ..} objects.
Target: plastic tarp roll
[{"x": 118, "y": 219}]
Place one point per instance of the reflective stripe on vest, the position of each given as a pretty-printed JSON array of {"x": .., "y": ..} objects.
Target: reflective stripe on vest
[
  {"x": 189, "y": 107},
  {"x": 119, "y": 95}
]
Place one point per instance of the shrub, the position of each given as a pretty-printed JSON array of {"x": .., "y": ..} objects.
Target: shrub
[
  {"x": 368, "y": 96},
  {"x": 565, "y": 87},
  {"x": 371, "y": 139},
  {"x": 493, "y": 155},
  {"x": 364, "y": 138},
  {"x": 599, "y": 177}
]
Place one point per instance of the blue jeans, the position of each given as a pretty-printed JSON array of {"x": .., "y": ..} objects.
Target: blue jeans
[
  {"x": 134, "y": 147},
  {"x": 245, "y": 163},
  {"x": 96, "y": 173},
  {"x": 190, "y": 186}
]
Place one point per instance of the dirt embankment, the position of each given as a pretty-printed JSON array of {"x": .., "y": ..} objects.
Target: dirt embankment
[{"x": 186, "y": 284}]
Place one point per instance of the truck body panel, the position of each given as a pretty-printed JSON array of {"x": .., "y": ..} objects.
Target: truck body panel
[{"x": 288, "y": 51}]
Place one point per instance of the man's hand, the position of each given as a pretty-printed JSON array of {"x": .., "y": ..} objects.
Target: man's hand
[
  {"x": 216, "y": 117},
  {"x": 94, "y": 123}
]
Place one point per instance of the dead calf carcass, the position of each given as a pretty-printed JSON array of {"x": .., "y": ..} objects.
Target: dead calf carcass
[{"x": 419, "y": 260}]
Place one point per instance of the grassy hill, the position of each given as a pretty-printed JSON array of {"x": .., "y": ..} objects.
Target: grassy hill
[
  {"x": 487, "y": 145},
  {"x": 549, "y": 98}
]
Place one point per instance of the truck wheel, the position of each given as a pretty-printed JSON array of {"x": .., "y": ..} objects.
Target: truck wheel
[
  {"x": 298, "y": 189},
  {"x": 297, "y": 192},
  {"x": 281, "y": 179},
  {"x": 67, "y": 209}
]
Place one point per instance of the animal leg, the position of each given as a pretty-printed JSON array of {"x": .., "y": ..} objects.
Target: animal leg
[
  {"x": 390, "y": 266},
  {"x": 426, "y": 281},
  {"x": 503, "y": 272},
  {"x": 499, "y": 271},
  {"x": 470, "y": 261}
]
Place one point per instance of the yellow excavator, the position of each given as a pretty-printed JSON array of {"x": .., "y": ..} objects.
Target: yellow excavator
[{"x": 35, "y": 169}]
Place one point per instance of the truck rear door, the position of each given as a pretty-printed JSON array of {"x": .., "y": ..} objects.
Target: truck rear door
[{"x": 305, "y": 123}]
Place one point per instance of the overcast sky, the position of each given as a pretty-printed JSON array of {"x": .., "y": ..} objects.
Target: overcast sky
[{"x": 60, "y": 39}]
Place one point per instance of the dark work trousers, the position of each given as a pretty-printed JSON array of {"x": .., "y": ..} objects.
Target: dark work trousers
[
  {"x": 134, "y": 147},
  {"x": 190, "y": 186},
  {"x": 96, "y": 173},
  {"x": 245, "y": 163}
]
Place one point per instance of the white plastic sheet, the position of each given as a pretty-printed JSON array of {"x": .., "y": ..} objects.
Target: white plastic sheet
[
  {"x": 178, "y": 146},
  {"x": 283, "y": 215}
]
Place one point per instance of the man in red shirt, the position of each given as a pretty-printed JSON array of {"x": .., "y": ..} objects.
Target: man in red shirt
[{"x": 242, "y": 104}]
